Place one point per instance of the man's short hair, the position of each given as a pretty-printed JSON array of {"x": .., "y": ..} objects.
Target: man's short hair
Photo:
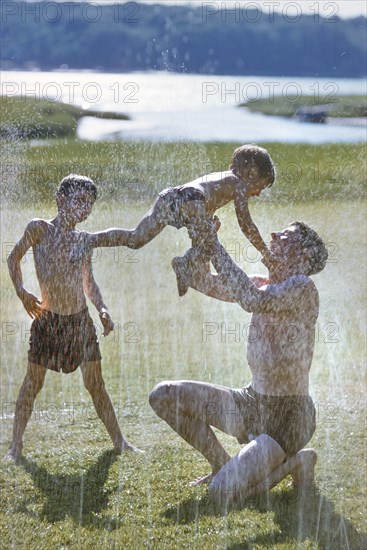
[
  {"x": 247, "y": 155},
  {"x": 74, "y": 183},
  {"x": 315, "y": 246}
]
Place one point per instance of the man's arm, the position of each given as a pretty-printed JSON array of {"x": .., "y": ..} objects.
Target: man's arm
[
  {"x": 273, "y": 298},
  {"x": 211, "y": 285},
  {"x": 93, "y": 292},
  {"x": 31, "y": 236}
]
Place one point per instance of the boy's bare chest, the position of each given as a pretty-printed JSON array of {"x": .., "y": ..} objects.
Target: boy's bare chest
[{"x": 57, "y": 249}]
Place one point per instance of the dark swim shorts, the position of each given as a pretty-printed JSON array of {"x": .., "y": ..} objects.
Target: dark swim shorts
[
  {"x": 290, "y": 419},
  {"x": 168, "y": 206},
  {"x": 63, "y": 342}
]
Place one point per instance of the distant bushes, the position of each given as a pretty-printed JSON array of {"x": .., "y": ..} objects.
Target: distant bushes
[{"x": 207, "y": 38}]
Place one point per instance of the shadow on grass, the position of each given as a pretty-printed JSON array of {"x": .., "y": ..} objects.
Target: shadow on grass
[
  {"x": 80, "y": 497},
  {"x": 301, "y": 516}
]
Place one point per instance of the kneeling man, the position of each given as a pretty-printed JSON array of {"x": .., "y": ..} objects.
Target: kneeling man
[{"x": 275, "y": 411}]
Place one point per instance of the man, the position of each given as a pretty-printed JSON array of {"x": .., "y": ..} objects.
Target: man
[{"x": 284, "y": 310}]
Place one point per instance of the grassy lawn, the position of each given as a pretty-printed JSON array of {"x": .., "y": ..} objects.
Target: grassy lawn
[
  {"x": 69, "y": 491},
  {"x": 135, "y": 171}
]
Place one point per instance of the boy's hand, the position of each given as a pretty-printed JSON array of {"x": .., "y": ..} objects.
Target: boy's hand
[
  {"x": 107, "y": 322},
  {"x": 31, "y": 304}
]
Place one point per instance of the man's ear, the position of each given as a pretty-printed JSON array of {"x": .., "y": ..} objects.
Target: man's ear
[
  {"x": 305, "y": 258},
  {"x": 60, "y": 200}
]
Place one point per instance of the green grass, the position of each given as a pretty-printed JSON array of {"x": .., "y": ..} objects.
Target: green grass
[
  {"x": 28, "y": 117},
  {"x": 342, "y": 106},
  {"x": 137, "y": 171},
  {"x": 69, "y": 491}
]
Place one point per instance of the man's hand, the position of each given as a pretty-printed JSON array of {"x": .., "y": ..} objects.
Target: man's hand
[
  {"x": 210, "y": 239},
  {"x": 107, "y": 322},
  {"x": 216, "y": 222},
  {"x": 31, "y": 304}
]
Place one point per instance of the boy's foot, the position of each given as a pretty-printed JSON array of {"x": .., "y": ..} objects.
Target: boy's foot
[
  {"x": 13, "y": 454},
  {"x": 126, "y": 447},
  {"x": 179, "y": 266}
]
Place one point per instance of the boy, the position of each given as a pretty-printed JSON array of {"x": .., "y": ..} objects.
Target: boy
[
  {"x": 62, "y": 333},
  {"x": 193, "y": 206}
]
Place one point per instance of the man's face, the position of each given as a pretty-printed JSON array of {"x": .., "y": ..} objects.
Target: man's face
[
  {"x": 79, "y": 205},
  {"x": 286, "y": 243}
]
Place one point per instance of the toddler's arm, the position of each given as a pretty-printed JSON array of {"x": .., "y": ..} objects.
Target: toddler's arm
[{"x": 248, "y": 227}]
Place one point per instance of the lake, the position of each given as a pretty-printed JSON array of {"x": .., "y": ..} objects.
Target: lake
[{"x": 170, "y": 106}]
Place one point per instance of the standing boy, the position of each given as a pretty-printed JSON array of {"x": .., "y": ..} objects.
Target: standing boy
[{"x": 62, "y": 333}]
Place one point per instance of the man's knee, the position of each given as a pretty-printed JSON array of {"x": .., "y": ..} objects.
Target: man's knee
[{"x": 159, "y": 395}]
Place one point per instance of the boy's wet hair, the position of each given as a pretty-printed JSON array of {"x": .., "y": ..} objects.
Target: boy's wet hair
[
  {"x": 252, "y": 155},
  {"x": 314, "y": 244},
  {"x": 74, "y": 183}
]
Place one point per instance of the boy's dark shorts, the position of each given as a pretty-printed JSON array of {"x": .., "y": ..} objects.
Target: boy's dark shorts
[
  {"x": 168, "y": 206},
  {"x": 63, "y": 342},
  {"x": 290, "y": 420}
]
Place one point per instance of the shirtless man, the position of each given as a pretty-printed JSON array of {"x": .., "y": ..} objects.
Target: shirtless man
[
  {"x": 62, "y": 333},
  {"x": 284, "y": 310}
]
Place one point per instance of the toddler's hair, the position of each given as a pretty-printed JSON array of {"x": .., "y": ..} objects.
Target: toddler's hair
[{"x": 247, "y": 155}]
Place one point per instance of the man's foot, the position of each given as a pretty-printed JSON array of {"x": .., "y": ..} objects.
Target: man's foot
[
  {"x": 303, "y": 474},
  {"x": 179, "y": 266},
  {"x": 201, "y": 480}
]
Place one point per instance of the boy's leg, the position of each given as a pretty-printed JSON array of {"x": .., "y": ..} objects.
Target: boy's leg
[
  {"x": 94, "y": 383},
  {"x": 31, "y": 386},
  {"x": 191, "y": 408}
]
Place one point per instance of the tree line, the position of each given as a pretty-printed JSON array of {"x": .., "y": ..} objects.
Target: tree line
[{"x": 206, "y": 38}]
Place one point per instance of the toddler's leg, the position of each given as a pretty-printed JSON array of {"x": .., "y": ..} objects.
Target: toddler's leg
[{"x": 196, "y": 258}]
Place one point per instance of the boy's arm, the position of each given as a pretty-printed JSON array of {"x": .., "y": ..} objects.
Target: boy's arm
[
  {"x": 111, "y": 237},
  {"x": 31, "y": 236},
  {"x": 93, "y": 292},
  {"x": 247, "y": 225}
]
